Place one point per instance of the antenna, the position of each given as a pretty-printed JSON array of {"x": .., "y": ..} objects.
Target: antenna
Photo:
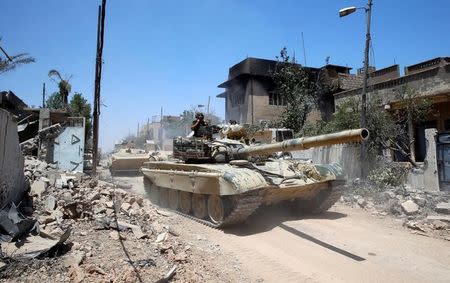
[{"x": 304, "y": 51}]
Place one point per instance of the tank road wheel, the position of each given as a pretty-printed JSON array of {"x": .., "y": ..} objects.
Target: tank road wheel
[
  {"x": 154, "y": 195},
  {"x": 164, "y": 197},
  {"x": 199, "y": 206},
  {"x": 173, "y": 199},
  {"x": 217, "y": 208},
  {"x": 185, "y": 202}
]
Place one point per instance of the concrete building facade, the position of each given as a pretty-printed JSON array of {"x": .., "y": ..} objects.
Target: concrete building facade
[
  {"x": 249, "y": 96},
  {"x": 430, "y": 79}
]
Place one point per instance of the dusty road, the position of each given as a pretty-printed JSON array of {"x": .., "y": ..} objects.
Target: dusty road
[{"x": 343, "y": 245}]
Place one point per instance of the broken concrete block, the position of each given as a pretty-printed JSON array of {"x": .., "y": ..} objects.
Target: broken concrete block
[
  {"x": 420, "y": 201},
  {"x": 50, "y": 203},
  {"x": 109, "y": 204},
  {"x": 410, "y": 207},
  {"x": 135, "y": 206},
  {"x": 67, "y": 196},
  {"x": 125, "y": 206},
  {"x": 162, "y": 237},
  {"x": 59, "y": 183},
  {"x": 362, "y": 202},
  {"x": 37, "y": 188},
  {"x": 443, "y": 207},
  {"x": 140, "y": 200}
]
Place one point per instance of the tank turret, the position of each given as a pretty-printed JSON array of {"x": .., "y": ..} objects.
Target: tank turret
[{"x": 197, "y": 150}]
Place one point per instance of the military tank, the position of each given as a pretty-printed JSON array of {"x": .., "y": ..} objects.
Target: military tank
[{"x": 222, "y": 182}]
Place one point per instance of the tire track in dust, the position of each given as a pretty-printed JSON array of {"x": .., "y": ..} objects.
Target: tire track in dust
[{"x": 259, "y": 264}]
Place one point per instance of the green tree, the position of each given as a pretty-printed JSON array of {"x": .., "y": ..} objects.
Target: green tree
[
  {"x": 388, "y": 130},
  {"x": 293, "y": 84},
  {"x": 54, "y": 101},
  {"x": 64, "y": 86},
  {"x": 79, "y": 107},
  {"x": 9, "y": 63}
]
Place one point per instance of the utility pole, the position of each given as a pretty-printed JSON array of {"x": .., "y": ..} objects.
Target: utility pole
[
  {"x": 148, "y": 128},
  {"x": 43, "y": 95},
  {"x": 363, "y": 121},
  {"x": 98, "y": 76},
  {"x": 304, "y": 51}
]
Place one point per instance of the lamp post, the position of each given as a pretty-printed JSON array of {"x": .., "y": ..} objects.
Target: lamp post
[{"x": 363, "y": 122}]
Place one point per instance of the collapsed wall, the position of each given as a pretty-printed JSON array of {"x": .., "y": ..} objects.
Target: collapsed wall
[{"x": 12, "y": 179}]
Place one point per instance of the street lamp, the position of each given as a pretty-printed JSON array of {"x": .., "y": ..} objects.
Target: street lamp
[
  {"x": 346, "y": 11},
  {"x": 342, "y": 13}
]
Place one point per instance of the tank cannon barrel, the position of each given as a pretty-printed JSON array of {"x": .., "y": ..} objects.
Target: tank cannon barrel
[{"x": 348, "y": 136}]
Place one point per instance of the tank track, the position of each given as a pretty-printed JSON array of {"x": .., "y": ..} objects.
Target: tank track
[
  {"x": 330, "y": 200},
  {"x": 243, "y": 208}
]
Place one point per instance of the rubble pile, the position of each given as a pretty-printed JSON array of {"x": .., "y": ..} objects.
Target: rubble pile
[
  {"x": 426, "y": 213},
  {"x": 99, "y": 232}
]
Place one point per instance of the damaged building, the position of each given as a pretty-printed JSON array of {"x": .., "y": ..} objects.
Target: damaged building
[
  {"x": 50, "y": 134},
  {"x": 249, "y": 98},
  {"x": 430, "y": 139}
]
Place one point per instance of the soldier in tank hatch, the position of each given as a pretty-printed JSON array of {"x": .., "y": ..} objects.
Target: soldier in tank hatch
[{"x": 199, "y": 126}]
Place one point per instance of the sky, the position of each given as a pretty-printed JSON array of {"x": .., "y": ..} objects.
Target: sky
[{"x": 173, "y": 53}]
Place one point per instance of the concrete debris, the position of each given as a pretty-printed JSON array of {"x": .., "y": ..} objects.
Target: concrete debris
[
  {"x": 414, "y": 225},
  {"x": 134, "y": 228},
  {"x": 125, "y": 206},
  {"x": 76, "y": 274},
  {"x": 163, "y": 213},
  {"x": 50, "y": 203},
  {"x": 33, "y": 246},
  {"x": 37, "y": 188},
  {"x": 423, "y": 212},
  {"x": 439, "y": 225},
  {"x": 443, "y": 207},
  {"x": 362, "y": 202},
  {"x": 439, "y": 217},
  {"x": 95, "y": 269},
  {"x": 410, "y": 207},
  {"x": 168, "y": 275},
  {"x": 95, "y": 215},
  {"x": 74, "y": 259},
  {"x": 162, "y": 237}
]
